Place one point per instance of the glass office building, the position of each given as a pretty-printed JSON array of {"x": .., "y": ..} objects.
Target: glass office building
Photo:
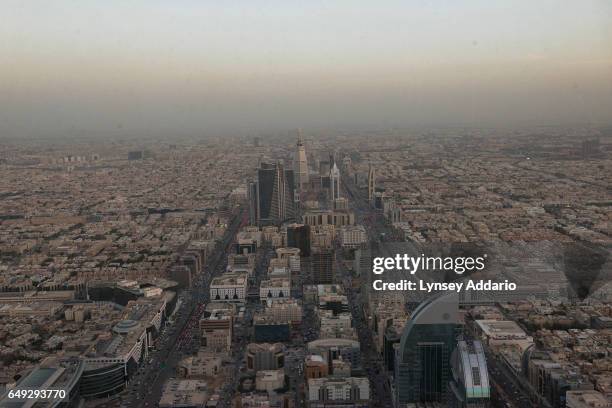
[
  {"x": 470, "y": 386},
  {"x": 423, "y": 360}
]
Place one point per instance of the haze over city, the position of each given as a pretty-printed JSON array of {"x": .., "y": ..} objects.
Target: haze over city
[
  {"x": 141, "y": 68},
  {"x": 316, "y": 204}
]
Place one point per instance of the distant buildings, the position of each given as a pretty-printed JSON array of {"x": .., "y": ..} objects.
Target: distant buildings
[{"x": 136, "y": 155}]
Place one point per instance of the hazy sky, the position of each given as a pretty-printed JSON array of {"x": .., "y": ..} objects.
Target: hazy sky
[{"x": 113, "y": 67}]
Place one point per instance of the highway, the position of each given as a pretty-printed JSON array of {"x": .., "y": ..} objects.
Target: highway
[
  {"x": 378, "y": 229},
  {"x": 371, "y": 361},
  {"x": 145, "y": 387}
]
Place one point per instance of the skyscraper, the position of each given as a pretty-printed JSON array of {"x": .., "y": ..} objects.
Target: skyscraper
[
  {"x": 371, "y": 183},
  {"x": 323, "y": 266},
  {"x": 334, "y": 182},
  {"x": 272, "y": 195},
  {"x": 300, "y": 163},
  {"x": 423, "y": 360},
  {"x": 298, "y": 236}
]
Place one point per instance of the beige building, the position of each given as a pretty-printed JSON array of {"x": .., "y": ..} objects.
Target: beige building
[
  {"x": 216, "y": 330},
  {"x": 586, "y": 399},
  {"x": 204, "y": 364}
]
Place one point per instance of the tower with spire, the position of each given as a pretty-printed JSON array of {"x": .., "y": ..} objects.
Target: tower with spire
[
  {"x": 334, "y": 180},
  {"x": 300, "y": 162}
]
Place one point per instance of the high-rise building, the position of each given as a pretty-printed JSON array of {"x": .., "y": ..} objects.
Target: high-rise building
[
  {"x": 216, "y": 330},
  {"x": 470, "y": 386},
  {"x": 271, "y": 196},
  {"x": 334, "y": 183},
  {"x": 323, "y": 266},
  {"x": 253, "y": 201},
  {"x": 298, "y": 236},
  {"x": 423, "y": 359},
  {"x": 371, "y": 183},
  {"x": 300, "y": 163}
]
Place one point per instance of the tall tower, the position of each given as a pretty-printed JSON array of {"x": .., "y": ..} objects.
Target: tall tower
[
  {"x": 278, "y": 205},
  {"x": 423, "y": 359},
  {"x": 334, "y": 182},
  {"x": 371, "y": 183},
  {"x": 272, "y": 199},
  {"x": 300, "y": 163}
]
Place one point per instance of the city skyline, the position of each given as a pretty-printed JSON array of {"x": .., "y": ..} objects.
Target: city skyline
[{"x": 283, "y": 204}]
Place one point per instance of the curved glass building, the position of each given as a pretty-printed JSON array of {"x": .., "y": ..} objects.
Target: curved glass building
[
  {"x": 422, "y": 363},
  {"x": 470, "y": 385}
]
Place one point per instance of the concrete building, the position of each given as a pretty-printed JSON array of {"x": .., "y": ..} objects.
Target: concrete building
[
  {"x": 353, "y": 236},
  {"x": 351, "y": 392},
  {"x": 216, "y": 330},
  {"x": 333, "y": 349},
  {"x": 284, "y": 310},
  {"x": 272, "y": 289},
  {"x": 328, "y": 217},
  {"x": 204, "y": 364},
  {"x": 503, "y": 332},
  {"x": 269, "y": 380},
  {"x": 229, "y": 287},
  {"x": 265, "y": 356},
  {"x": 315, "y": 366},
  {"x": 184, "y": 394},
  {"x": 292, "y": 255}
]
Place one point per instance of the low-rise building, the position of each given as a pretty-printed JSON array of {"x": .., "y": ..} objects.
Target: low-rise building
[
  {"x": 229, "y": 287},
  {"x": 346, "y": 392},
  {"x": 184, "y": 394},
  {"x": 216, "y": 330}
]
